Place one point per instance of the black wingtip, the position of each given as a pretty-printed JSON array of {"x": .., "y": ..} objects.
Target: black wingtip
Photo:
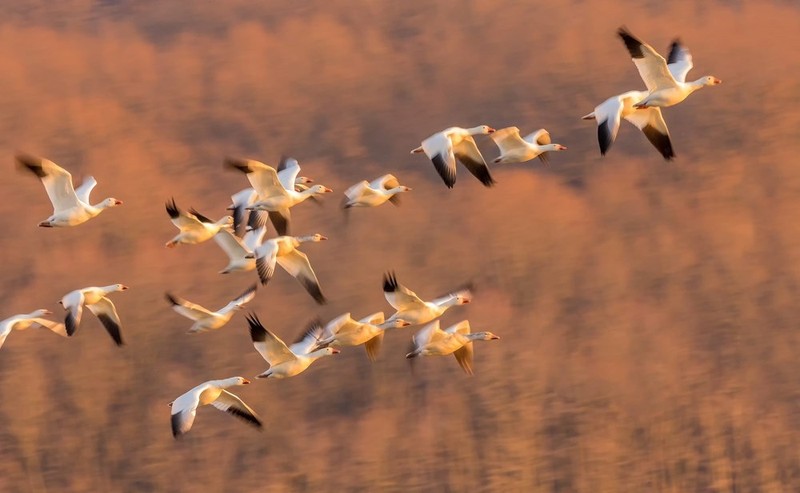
[
  {"x": 660, "y": 141},
  {"x": 674, "y": 51},
  {"x": 633, "y": 45},
  {"x": 236, "y": 163},
  {"x": 171, "y": 298},
  {"x": 200, "y": 217},
  {"x": 604, "y": 137},
  {"x": 389, "y": 282},
  {"x": 172, "y": 209},
  {"x": 69, "y": 323},
  {"x": 448, "y": 176},
  {"x": 31, "y": 163},
  {"x": 113, "y": 328},
  {"x": 257, "y": 331}
]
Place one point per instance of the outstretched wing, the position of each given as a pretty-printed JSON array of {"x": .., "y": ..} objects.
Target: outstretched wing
[
  {"x": 439, "y": 149},
  {"x": 107, "y": 313},
  {"x": 232, "y": 404},
  {"x": 268, "y": 345},
  {"x": 507, "y": 139},
  {"x": 188, "y": 309},
  {"x": 241, "y": 300},
  {"x": 652, "y": 66},
  {"x": 263, "y": 178},
  {"x": 308, "y": 339},
  {"x": 399, "y": 296},
  {"x": 56, "y": 180},
  {"x": 288, "y": 169},
  {"x": 652, "y": 124},
  {"x": 85, "y": 189},
  {"x": 296, "y": 263},
  {"x": 679, "y": 61},
  {"x": 467, "y": 152}
]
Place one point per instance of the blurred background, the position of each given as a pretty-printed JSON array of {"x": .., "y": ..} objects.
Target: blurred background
[{"x": 648, "y": 310}]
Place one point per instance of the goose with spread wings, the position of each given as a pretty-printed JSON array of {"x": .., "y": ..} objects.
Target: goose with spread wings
[
  {"x": 204, "y": 319},
  {"x": 70, "y": 206},
  {"x": 374, "y": 193},
  {"x": 284, "y": 251},
  {"x": 96, "y": 300},
  {"x": 457, "y": 340},
  {"x": 276, "y": 192},
  {"x": 665, "y": 86},
  {"x": 345, "y": 331},
  {"x": 443, "y": 148},
  {"x": 194, "y": 227},
  {"x": 412, "y": 308},
  {"x": 213, "y": 392},
  {"x": 26, "y": 320},
  {"x": 238, "y": 249},
  {"x": 287, "y": 361},
  {"x": 516, "y": 149}
]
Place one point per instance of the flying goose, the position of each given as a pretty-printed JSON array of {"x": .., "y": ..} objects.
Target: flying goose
[
  {"x": 345, "y": 331},
  {"x": 26, "y": 320},
  {"x": 666, "y": 87},
  {"x": 515, "y": 149},
  {"x": 95, "y": 299},
  {"x": 213, "y": 392},
  {"x": 287, "y": 361},
  {"x": 194, "y": 227},
  {"x": 374, "y": 193},
  {"x": 276, "y": 193},
  {"x": 283, "y": 250},
  {"x": 412, "y": 309},
  {"x": 70, "y": 206},
  {"x": 205, "y": 319},
  {"x": 456, "y": 340},
  {"x": 238, "y": 249},
  {"x": 442, "y": 148}
]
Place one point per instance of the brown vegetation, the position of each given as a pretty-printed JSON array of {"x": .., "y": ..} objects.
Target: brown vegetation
[{"x": 648, "y": 310}]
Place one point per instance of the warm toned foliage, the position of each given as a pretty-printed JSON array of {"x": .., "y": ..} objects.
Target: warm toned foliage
[{"x": 648, "y": 310}]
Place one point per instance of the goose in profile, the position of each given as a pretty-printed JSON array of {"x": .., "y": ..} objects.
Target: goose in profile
[
  {"x": 96, "y": 300},
  {"x": 374, "y": 193},
  {"x": 412, "y": 309},
  {"x": 345, "y": 331},
  {"x": 443, "y": 148},
  {"x": 276, "y": 193},
  {"x": 456, "y": 340},
  {"x": 194, "y": 227},
  {"x": 70, "y": 206},
  {"x": 286, "y": 361},
  {"x": 26, "y": 320},
  {"x": 213, "y": 392},
  {"x": 665, "y": 87},
  {"x": 284, "y": 251},
  {"x": 515, "y": 149},
  {"x": 205, "y": 319},
  {"x": 238, "y": 249}
]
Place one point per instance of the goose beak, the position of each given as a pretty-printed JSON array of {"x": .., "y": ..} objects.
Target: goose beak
[
  {"x": 322, "y": 238},
  {"x": 405, "y": 324},
  {"x": 123, "y": 287},
  {"x": 717, "y": 81},
  {"x": 327, "y": 190},
  {"x": 250, "y": 255},
  {"x": 60, "y": 302},
  {"x": 245, "y": 382},
  {"x": 335, "y": 351},
  {"x": 495, "y": 337},
  {"x": 117, "y": 202},
  {"x": 491, "y": 130},
  {"x": 561, "y": 148},
  {"x": 45, "y": 224},
  {"x": 46, "y": 312}
]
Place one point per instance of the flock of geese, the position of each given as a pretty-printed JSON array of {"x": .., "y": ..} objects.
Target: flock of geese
[{"x": 269, "y": 199}]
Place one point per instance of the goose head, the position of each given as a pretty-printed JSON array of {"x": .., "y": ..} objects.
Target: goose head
[
  {"x": 316, "y": 237},
  {"x": 710, "y": 80},
  {"x": 109, "y": 202},
  {"x": 486, "y": 336},
  {"x": 318, "y": 190},
  {"x": 303, "y": 180},
  {"x": 481, "y": 130},
  {"x": 40, "y": 313},
  {"x": 225, "y": 221},
  {"x": 398, "y": 324}
]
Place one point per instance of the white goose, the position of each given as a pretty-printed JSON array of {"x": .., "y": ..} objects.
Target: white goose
[
  {"x": 213, "y": 392},
  {"x": 345, "y": 331},
  {"x": 286, "y": 361},
  {"x": 412, "y": 309},
  {"x": 238, "y": 249},
  {"x": 70, "y": 206},
  {"x": 442, "y": 148},
  {"x": 649, "y": 120},
  {"x": 283, "y": 250},
  {"x": 276, "y": 193},
  {"x": 456, "y": 340},
  {"x": 515, "y": 149},
  {"x": 205, "y": 319},
  {"x": 374, "y": 193},
  {"x": 666, "y": 88},
  {"x": 26, "y": 320},
  {"x": 95, "y": 298},
  {"x": 194, "y": 227}
]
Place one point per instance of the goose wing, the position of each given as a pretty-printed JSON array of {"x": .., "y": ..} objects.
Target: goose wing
[
  {"x": 183, "y": 220},
  {"x": 241, "y": 300},
  {"x": 280, "y": 219},
  {"x": 652, "y": 66},
  {"x": 399, "y": 296},
  {"x": 439, "y": 149},
  {"x": 288, "y": 169},
  {"x": 240, "y": 201},
  {"x": 464, "y": 357},
  {"x": 231, "y": 244},
  {"x": 296, "y": 263},
  {"x": 85, "y": 189},
  {"x": 385, "y": 182},
  {"x": 266, "y": 257},
  {"x": 651, "y": 122},
  {"x": 467, "y": 152},
  {"x": 507, "y": 139},
  {"x": 184, "y": 410},
  {"x": 679, "y": 60},
  {"x": 268, "y": 345},
  {"x": 608, "y": 115},
  {"x": 373, "y": 346},
  {"x": 232, "y": 404},
  {"x": 56, "y": 180},
  {"x": 188, "y": 309},
  {"x": 73, "y": 303},
  {"x": 308, "y": 339},
  {"x": 459, "y": 328},
  {"x": 263, "y": 178},
  {"x": 56, "y": 327},
  {"x": 107, "y": 313}
]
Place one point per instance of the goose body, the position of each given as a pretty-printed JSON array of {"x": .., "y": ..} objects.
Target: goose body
[
  {"x": 665, "y": 87},
  {"x": 374, "y": 193},
  {"x": 276, "y": 192},
  {"x": 240, "y": 250},
  {"x": 96, "y": 300},
  {"x": 345, "y": 331},
  {"x": 414, "y": 310},
  {"x": 70, "y": 206},
  {"x": 26, "y": 320},
  {"x": 515, "y": 149},
  {"x": 213, "y": 392},
  {"x": 194, "y": 227},
  {"x": 205, "y": 319},
  {"x": 287, "y": 361},
  {"x": 284, "y": 251},
  {"x": 443, "y": 148},
  {"x": 457, "y": 340},
  {"x": 242, "y": 200}
]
